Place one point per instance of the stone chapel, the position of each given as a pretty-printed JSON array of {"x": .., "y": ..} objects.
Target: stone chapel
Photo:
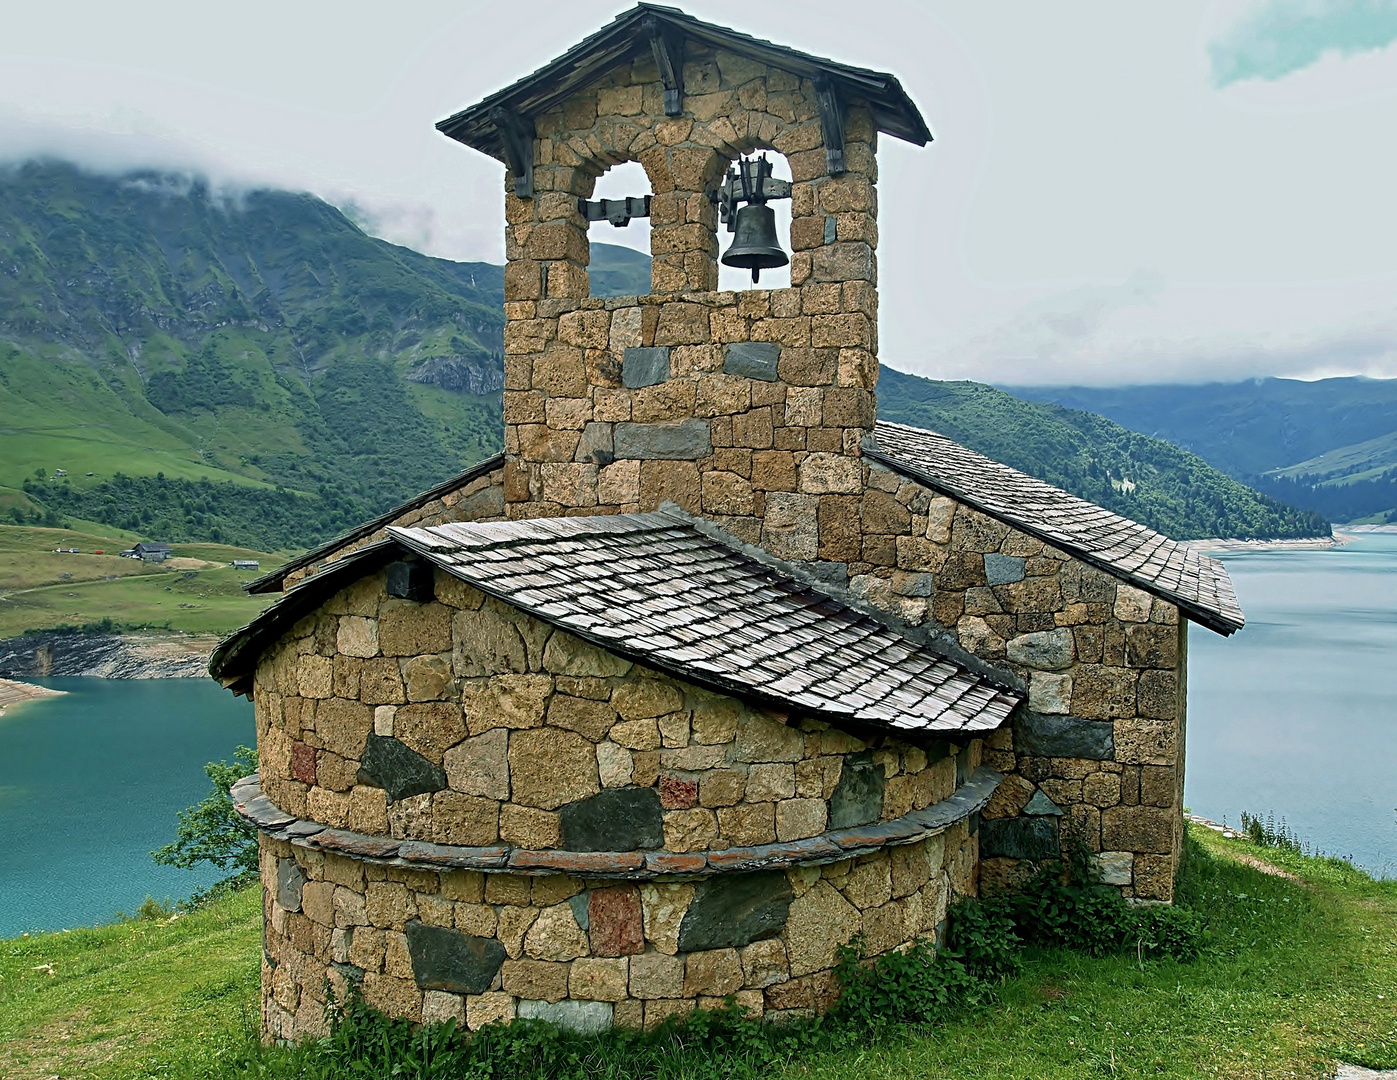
[{"x": 710, "y": 670}]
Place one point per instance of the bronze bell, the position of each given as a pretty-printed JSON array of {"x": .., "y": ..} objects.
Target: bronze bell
[{"x": 754, "y": 245}]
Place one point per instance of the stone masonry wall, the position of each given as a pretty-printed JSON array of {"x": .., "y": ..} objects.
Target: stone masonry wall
[
  {"x": 1101, "y": 736},
  {"x": 527, "y": 735},
  {"x": 587, "y": 954}
]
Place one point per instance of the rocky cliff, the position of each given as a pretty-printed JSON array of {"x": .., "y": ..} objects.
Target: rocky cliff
[{"x": 106, "y": 656}]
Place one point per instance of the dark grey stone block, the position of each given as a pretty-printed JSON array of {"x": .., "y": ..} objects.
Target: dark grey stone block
[
  {"x": 1019, "y": 838},
  {"x": 687, "y": 440},
  {"x": 411, "y": 581},
  {"x": 1003, "y": 569},
  {"x": 289, "y": 880},
  {"x": 585, "y": 1017},
  {"x": 730, "y": 912},
  {"x": 1042, "y": 806},
  {"x": 858, "y": 797},
  {"x": 581, "y": 905},
  {"x": 398, "y": 769},
  {"x": 595, "y": 445},
  {"x": 351, "y": 972},
  {"x": 754, "y": 359},
  {"x": 644, "y": 366},
  {"x": 831, "y": 230},
  {"x": 452, "y": 960},
  {"x": 623, "y": 819},
  {"x": 1042, "y": 735}
]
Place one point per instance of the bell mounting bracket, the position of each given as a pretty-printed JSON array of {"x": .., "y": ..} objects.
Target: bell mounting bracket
[
  {"x": 749, "y": 180},
  {"x": 617, "y": 211}
]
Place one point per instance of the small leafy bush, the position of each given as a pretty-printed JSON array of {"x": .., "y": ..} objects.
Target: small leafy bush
[
  {"x": 983, "y": 937},
  {"x": 1066, "y": 906},
  {"x": 910, "y": 986}
]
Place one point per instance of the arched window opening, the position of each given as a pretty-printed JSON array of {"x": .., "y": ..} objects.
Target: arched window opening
[
  {"x": 735, "y": 279},
  {"x": 620, "y": 262}
]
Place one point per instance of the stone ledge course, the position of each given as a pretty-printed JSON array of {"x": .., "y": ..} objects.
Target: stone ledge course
[{"x": 837, "y": 844}]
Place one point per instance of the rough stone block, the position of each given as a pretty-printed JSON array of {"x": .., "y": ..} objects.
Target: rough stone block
[
  {"x": 289, "y": 881},
  {"x": 480, "y": 766},
  {"x": 622, "y": 819},
  {"x": 491, "y": 1008},
  {"x": 819, "y": 922},
  {"x": 1050, "y": 694},
  {"x": 1114, "y": 866},
  {"x": 1019, "y": 838},
  {"x": 1046, "y": 650},
  {"x": 584, "y": 1017},
  {"x": 858, "y": 797},
  {"x": 713, "y": 972},
  {"x": 686, "y": 440},
  {"x": 551, "y": 767},
  {"x": 398, "y": 769},
  {"x": 733, "y": 911},
  {"x": 752, "y": 359},
  {"x": 1063, "y": 737},
  {"x": 439, "y": 1007},
  {"x": 644, "y": 366},
  {"x": 655, "y": 975},
  {"x": 599, "y": 979},
  {"x": 1003, "y": 569},
  {"x": 1138, "y": 828},
  {"x": 450, "y": 960}
]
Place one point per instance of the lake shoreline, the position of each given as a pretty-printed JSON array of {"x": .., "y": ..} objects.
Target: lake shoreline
[
  {"x": 1310, "y": 543},
  {"x": 13, "y": 693}
]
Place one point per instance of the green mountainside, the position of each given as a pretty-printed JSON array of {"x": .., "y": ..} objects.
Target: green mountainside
[
  {"x": 1143, "y": 478},
  {"x": 259, "y": 371},
  {"x": 1328, "y": 445}
]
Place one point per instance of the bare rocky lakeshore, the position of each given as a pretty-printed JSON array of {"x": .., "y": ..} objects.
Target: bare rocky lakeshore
[
  {"x": 12, "y": 693},
  {"x": 106, "y": 656}
]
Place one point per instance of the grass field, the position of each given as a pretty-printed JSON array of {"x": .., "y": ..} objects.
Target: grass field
[
  {"x": 1297, "y": 974},
  {"x": 195, "y": 592}
]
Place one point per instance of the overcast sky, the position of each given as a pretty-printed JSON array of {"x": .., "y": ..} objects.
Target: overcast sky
[{"x": 1118, "y": 192}]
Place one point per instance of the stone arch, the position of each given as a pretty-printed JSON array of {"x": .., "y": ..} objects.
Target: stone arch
[
  {"x": 630, "y": 243},
  {"x": 731, "y": 109}
]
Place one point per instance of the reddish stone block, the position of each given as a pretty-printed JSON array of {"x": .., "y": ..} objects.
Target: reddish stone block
[
  {"x": 303, "y": 762},
  {"x": 676, "y": 793},
  {"x": 615, "y": 926}
]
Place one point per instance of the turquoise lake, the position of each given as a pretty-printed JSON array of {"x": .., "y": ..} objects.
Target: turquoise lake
[
  {"x": 91, "y": 782},
  {"x": 1296, "y": 715}
]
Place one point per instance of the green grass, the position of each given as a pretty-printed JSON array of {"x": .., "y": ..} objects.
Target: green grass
[
  {"x": 1289, "y": 983},
  {"x": 197, "y": 592}
]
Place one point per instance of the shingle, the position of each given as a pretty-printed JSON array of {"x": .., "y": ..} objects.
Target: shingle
[
  {"x": 1174, "y": 571},
  {"x": 653, "y": 586}
]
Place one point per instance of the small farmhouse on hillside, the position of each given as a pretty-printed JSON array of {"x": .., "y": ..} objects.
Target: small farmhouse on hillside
[{"x": 709, "y": 671}]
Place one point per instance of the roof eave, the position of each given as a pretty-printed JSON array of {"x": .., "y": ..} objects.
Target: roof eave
[
  {"x": 273, "y": 580},
  {"x": 898, "y": 115},
  {"x": 1210, "y": 620}
]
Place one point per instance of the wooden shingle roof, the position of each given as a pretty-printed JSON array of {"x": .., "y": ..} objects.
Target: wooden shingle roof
[
  {"x": 653, "y": 588},
  {"x": 1174, "y": 571}
]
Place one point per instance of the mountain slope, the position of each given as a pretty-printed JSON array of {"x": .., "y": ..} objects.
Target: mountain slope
[
  {"x": 1143, "y": 478},
  {"x": 1297, "y": 441},
  {"x": 262, "y": 372}
]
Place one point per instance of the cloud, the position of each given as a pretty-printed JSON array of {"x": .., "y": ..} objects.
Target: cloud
[{"x": 1280, "y": 37}]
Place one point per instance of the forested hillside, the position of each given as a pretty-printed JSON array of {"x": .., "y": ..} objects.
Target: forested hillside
[
  {"x": 262, "y": 372},
  {"x": 1146, "y": 479},
  {"x": 1328, "y": 445}
]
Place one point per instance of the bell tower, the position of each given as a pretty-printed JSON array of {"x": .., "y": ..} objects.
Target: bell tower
[{"x": 746, "y": 407}]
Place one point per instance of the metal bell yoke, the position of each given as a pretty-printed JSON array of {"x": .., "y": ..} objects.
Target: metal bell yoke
[{"x": 754, "y": 246}]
